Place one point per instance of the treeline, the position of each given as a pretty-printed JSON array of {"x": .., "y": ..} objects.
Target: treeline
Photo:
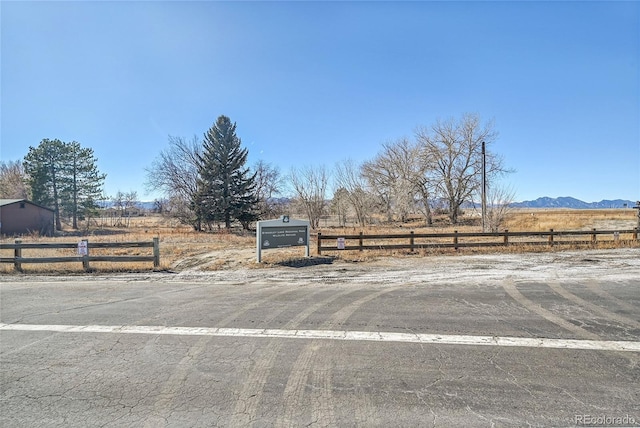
[{"x": 207, "y": 184}]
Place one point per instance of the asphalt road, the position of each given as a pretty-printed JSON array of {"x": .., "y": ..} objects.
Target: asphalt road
[{"x": 478, "y": 341}]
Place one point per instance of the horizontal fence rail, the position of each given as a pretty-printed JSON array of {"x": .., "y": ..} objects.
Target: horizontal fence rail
[
  {"x": 413, "y": 241},
  {"x": 84, "y": 253}
]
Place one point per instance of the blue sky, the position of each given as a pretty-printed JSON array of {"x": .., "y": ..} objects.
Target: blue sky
[{"x": 314, "y": 83}]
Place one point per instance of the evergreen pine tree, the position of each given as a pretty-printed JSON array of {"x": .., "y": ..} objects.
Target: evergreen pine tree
[
  {"x": 84, "y": 182},
  {"x": 63, "y": 176},
  {"x": 226, "y": 189},
  {"x": 44, "y": 167}
]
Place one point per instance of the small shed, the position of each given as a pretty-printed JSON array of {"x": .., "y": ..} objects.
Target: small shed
[{"x": 20, "y": 216}]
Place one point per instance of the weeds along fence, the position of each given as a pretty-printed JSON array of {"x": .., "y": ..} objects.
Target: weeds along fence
[
  {"x": 414, "y": 241},
  {"x": 84, "y": 250}
]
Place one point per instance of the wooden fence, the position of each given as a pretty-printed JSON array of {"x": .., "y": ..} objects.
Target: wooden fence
[
  {"x": 83, "y": 249},
  {"x": 413, "y": 241}
]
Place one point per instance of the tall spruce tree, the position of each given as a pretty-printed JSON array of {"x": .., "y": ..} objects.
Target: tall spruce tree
[
  {"x": 44, "y": 166},
  {"x": 84, "y": 182},
  {"x": 226, "y": 189},
  {"x": 63, "y": 176}
]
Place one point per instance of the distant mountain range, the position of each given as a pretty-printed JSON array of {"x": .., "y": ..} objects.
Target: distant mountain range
[
  {"x": 569, "y": 202},
  {"x": 544, "y": 202}
]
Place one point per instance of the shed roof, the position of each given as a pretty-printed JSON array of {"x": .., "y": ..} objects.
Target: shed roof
[{"x": 4, "y": 202}]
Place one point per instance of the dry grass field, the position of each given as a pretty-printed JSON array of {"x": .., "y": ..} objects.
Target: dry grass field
[
  {"x": 181, "y": 248},
  {"x": 565, "y": 219}
]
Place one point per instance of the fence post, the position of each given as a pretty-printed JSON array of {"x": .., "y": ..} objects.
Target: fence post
[
  {"x": 319, "y": 243},
  {"x": 551, "y": 237},
  {"x": 593, "y": 237},
  {"x": 455, "y": 240},
  {"x": 361, "y": 241},
  {"x": 17, "y": 254},
  {"x": 411, "y": 241},
  {"x": 635, "y": 233},
  {"x": 156, "y": 251},
  {"x": 85, "y": 257},
  {"x": 506, "y": 237}
]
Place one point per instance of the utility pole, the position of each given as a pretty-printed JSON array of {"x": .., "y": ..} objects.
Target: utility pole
[
  {"x": 638, "y": 208},
  {"x": 484, "y": 188}
]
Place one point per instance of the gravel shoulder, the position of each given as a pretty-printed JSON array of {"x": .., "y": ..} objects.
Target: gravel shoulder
[{"x": 611, "y": 264}]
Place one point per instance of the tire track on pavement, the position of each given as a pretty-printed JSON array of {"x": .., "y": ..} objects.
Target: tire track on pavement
[
  {"x": 321, "y": 400},
  {"x": 594, "y": 287},
  {"x": 509, "y": 286},
  {"x": 560, "y": 290},
  {"x": 172, "y": 386},
  {"x": 179, "y": 308},
  {"x": 250, "y": 396}
]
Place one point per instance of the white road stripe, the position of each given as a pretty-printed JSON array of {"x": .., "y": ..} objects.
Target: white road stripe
[{"x": 424, "y": 338}]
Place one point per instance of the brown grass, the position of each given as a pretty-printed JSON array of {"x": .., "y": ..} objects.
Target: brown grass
[
  {"x": 179, "y": 243},
  {"x": 566, "y": 219}
]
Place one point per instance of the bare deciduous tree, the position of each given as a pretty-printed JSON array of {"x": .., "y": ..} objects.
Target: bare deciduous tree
[
  {"x": 124, "y": 204},
  {"x": 340, "y": 205},
  {"x": 310, "y": 186},
  {"x": 268, "y": 185},
  {"x": 179, "y": 209},
  {"x": 499, "y": 200},
  {"x": 397, "y": 175},
  {"x": 424, "y": 188},
  {"x": 454, "y": 150},
  {"x": 13, "y": 180},
  {"x": 348, "y": 177},
  {"x": 175, "y": 172}
]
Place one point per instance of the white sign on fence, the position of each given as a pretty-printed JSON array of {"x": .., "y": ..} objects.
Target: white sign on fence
[
  {"x": 83, "y": 248},
  {"x": 341, "y": 243}
]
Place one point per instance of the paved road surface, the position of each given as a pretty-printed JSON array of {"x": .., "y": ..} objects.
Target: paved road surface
[{"x": 476, "y": 341}]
